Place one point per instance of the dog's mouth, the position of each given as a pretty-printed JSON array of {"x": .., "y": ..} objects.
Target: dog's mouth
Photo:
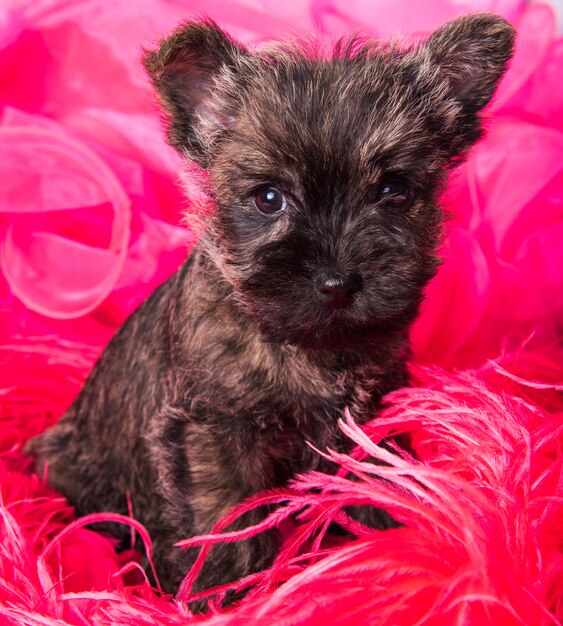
[{"x": 315, "y": 324}]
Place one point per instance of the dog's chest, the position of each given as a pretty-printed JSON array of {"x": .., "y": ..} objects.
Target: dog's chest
[{"x": 237, "y": 373}]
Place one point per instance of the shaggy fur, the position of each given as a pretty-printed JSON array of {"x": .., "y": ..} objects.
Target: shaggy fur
[{"x": 278, "y": 320}]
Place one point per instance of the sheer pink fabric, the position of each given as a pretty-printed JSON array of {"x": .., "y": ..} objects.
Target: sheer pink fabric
[{"x": 90, "y": 208}]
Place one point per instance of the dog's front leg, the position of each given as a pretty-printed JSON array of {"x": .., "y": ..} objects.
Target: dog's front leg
[{"x": 203, "y": 471}]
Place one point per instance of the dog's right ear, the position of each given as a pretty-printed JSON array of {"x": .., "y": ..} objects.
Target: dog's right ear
[{"x": 194, "y": 72}]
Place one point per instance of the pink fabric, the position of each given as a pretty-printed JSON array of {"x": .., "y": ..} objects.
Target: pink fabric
[{"x": 90, "y": 214}]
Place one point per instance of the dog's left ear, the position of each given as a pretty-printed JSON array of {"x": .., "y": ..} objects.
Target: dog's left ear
[
  {"x": 457, "y": 71},
  {"x": 470, "y": 54}
]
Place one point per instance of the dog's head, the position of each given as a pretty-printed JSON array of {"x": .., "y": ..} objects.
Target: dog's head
[{"x": 325, "y": 171}]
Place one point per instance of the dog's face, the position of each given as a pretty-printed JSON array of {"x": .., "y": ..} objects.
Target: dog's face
[{"x": 325, "y": 172}]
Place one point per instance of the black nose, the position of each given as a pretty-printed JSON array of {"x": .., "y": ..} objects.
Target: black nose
[{"x": 337, "y": 288}]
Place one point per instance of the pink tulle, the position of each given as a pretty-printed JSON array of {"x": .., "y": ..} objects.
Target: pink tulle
[{"x": 90, "y": 223}]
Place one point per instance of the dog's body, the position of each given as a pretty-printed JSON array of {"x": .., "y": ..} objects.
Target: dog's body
[
  {"x": 209, "y": 414},
  {"x": 297, "y": 301}
]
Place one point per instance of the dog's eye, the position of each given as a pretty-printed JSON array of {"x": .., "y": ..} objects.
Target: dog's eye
[
  {"x": 270, "y": 200},
  {"x": 395, "y": 192}
]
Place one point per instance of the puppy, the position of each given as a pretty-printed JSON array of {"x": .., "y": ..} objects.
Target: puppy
[{"x": 297, "y": 301}]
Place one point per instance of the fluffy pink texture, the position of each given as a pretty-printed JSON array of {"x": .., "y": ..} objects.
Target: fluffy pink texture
[
  {"x": 89, "y": 225},
  {"x": 482, "y": 543},
  {"x": 482, "y": 506}
]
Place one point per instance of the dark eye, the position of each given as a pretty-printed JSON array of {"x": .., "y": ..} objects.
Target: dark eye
[
  {"x": 396, "y": 192},
  {"x": 270, "y": 200}
]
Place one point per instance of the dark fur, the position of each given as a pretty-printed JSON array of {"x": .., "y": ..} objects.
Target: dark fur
[{"x": 210, "y": 390}]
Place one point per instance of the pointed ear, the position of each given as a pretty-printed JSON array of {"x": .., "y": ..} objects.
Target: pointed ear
[
  {"x": 194, "y": 73},
  {"x": 471, "y": 53}
]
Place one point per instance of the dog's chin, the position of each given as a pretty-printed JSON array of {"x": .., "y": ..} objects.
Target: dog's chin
[
  {"x": 336, "y": 329},
  {"x": 336, "y": 337},
  {"x": 328, "y": 341}
]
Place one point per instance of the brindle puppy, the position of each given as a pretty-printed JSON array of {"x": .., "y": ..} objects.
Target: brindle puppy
[{"x": 297, "y": 301}]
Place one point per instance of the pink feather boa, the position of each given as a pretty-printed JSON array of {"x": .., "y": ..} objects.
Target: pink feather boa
[{"x": 88, "y": 183}]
